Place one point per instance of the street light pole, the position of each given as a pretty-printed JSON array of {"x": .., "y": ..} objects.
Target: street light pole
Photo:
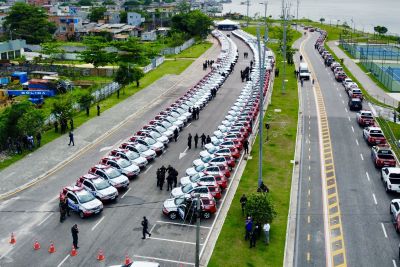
[
  {"x": 284, "y": 17},
  {"x": 261, "y": 89},
  {"x": 265, "y": 19},
  {"x": 297, "y": 14},
  {"x": 198, "y": 210},
  {"x": 248, "y": 18}
]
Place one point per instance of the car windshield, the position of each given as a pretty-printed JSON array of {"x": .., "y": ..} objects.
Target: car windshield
[
  {"x": 132, "y": 155},
  {"x": 141, "y": 148},
  {"x": 187, "y": 188},
  {"x": 124, "y": 163},
  {"x": 112, "y": 173},
  {"x": 179, "y": 200},
  {"x": 180, "y": 110},
  {"x": 170, "y": 118},
  {"x": 175, "y": 115},
  {"x": 155, "y": 134},
  {"x": 206, "y": 159},
  {"x": 194, "y": 178},
  {"x": 160, "y": 129},
  {"x": 84, "y": 196},
  {"x": 150, "y": 141},
  {"x": 212, "y": 150},
  {"x": 199, "y": 168},
  {"x": 166, "y": 124},
  {"x": 100, "y": 184}
]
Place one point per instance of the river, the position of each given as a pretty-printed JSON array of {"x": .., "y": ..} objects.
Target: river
[{"x": 365, "y": 14}]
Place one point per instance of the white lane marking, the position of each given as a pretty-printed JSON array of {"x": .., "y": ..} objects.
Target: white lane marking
[
  {"x": 309, "y": 157},
  {"x": 181, "y": 155},
  {"x": 148, "y": 168},
  {"x": 105, "y": 148},
  {"x": 182, "y": 224},
  {"x": 61, "y": 263},
  {"x": 346, "y": 109},
  {"x": 367, "y": 174},
  {"x": 343, "y": 102},
  {"x": 357, "y": 142},
  {"x": 5, "y": 254},
  {"x": 349, "y": 118},
  {"x": 152, "y": 228},
  {"x": 384, "y": 230},
  {"x": 340, "y": 95},
  {"x": 373, "y": 195},
  {"x": 352, "y": 128},
  {"x": 160, "y": 259},
  {"x": 173, "y": 240},
  {"x": 337, "y": 89},
  {"x": 362, "y": 158},
  {"x": 94, "y": 227},
  {"x": 129, "y": 189},
  {"x": 188, "y": 124},
  {"x": 394, "y": 263},
  {"x": 309, "y": 167},
  {"x": 48, "y": 216}
]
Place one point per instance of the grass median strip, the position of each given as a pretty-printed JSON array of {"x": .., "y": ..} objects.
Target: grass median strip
[{"x": 231, "y": 249}]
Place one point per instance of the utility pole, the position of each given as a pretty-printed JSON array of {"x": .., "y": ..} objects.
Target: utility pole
[
  {"x": 265, "y": 19},
  {"x": 285, "y": 11},
  {"x": 297, "y": 14},
  {"x": 261, "y": 91},
  {"x": 198, "y": 211},
  {"x": 248, "y": 18}
]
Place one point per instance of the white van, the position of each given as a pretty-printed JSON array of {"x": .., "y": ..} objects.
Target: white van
[{"x": 304, "y": 73}]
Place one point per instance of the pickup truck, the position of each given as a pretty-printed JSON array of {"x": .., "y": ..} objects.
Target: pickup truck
[
  {"x": 383, "y": 156},
  {"x": 374, "y": 136},
  {"x": 365, "y": 118},
  {"x": 390, "y": 177}
]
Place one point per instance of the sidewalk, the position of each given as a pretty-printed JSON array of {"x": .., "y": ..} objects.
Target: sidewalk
[
  {"x": 374, "y": 90},
  {"x": 38, "y": 165}
]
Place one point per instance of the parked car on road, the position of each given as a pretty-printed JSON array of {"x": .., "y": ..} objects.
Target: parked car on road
[{"x": 391, "y": 179}]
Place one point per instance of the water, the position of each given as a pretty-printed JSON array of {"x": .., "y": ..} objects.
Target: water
[{"x": 365, "y": 13}]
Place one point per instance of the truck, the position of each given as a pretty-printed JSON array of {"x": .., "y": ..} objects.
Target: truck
[{"x": 304, "y": 73}]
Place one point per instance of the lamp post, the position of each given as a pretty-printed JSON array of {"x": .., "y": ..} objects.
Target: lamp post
[
  {"x": 265, "y": 19},
  {"x": 261, "y": 88}
]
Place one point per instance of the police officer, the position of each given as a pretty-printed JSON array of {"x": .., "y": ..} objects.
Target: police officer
[
  {"x": 246, "y": 146},
  {"x": 208, "y": 139},
  {"x": 62, "y": 210},
  {"x": 170, "y": 180},
  {"x": 158, "y": 177},
  {"x": 176, "y": 133},
  {"x": 190, "y": 141},
  {"x": 203, "y": 140},
  {"x": 196, "y": 140},
  {"x": 75, "y": 231},
  {"x": 145, "y": 224},
  {"x": 175, "y": 176}
]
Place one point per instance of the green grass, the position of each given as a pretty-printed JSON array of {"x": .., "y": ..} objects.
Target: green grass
[
  {"x": 231, "y": 249},
  {"x": 194, "y": 51},
  {"x": 391, "y": 131},
  {"x": 168, "y": 67}
]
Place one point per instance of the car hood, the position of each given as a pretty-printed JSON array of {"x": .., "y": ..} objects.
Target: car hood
[
  {"x": 108, "y": 191},
  {"x": 169, "y": 203},
  {"x": 204, "y": 153},
  {"x": 95, "y": 203},
  {"x": 132, "y": 168},
  {"x": 140, "y": 160},
  {"x": 176, "y": 192},
  {"x": 162, "y": 139},
  {"x": 185, "y": 180},
  {"x": 191, "y": 171},
  {"x": 197, "y": 162},
  {"x": 120, "y": 179},
  {"x": 149, "y": 152}
]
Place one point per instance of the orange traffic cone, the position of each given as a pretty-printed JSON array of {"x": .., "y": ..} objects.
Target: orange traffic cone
[
  {"x": 100, "y": 255},
  {"x": 52, "y": 248},
  {"x": 36, "y": 245},
  {"x": 127, "y": 260},
  {"x": 13, "y": 240},
  {"x": 74, "y": 252}
]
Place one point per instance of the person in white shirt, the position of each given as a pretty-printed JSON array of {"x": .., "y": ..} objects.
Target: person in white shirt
[{"x": 266, "y": 229}]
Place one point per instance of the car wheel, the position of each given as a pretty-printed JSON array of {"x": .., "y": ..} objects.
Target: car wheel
[
  {"x": 81, "y": 214},
  {"x": 386, "y": 188},
  {"x": 390, "y": 209},
  {"x": 206, "y": 215},
  {"x": 172, "y": 215}
]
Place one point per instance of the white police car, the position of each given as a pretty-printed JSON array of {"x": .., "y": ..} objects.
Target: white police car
[
  {"x": 81, "y": 201},
  {"x": 98, "y": 186},
  {"x": 112, "y": 175}
]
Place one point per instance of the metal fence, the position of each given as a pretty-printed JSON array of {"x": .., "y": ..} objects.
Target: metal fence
[
  {"x": 105, "y": 91},
  {"x": 177, "y": 49}
]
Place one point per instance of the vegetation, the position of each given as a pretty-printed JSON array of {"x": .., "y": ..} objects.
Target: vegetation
[
  {"x": 53, "y": 50},
  {"x": 97, "y": 13},
  {"x": 20, "y": 21},
  {"x": 260, "y": 207},
  {"x": 277, "y": 171},
  {"x": 194, "y": 23},
  {"x": 95, "y": 52},
  {"x": 380, "y": 29}
]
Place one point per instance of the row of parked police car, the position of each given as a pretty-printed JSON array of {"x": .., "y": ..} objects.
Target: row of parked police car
[
  {"x": 382, "y": 155},
  {"x": 209, "y": 175}
]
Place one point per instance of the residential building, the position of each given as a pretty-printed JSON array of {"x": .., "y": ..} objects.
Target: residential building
[
  {"x": 67, "y": 25},
  {"x": 12, "y": 49},
  {"x": 118, "y": 31},
  {"x": 149, "y": 36},
  {"x": 40, "y": 2},
  {"x": 111, "y": 17},
  {"x": 134, "y": 19}
]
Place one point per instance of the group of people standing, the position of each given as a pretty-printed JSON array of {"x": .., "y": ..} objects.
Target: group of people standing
[
  {"x": 245, "y": 74},
  {"x": 207, "y": 63},
  {"x": 204, "y": 140},
  {"x": 195, "y": 113},
  {"x": 172, "y": 178}
]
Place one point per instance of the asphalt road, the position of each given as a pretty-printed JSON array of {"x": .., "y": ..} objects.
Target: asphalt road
[
  {"x": 369, "y": 236},
  {"x": 33, "y": 214}
]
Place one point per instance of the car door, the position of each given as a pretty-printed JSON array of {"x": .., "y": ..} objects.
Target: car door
[
  {"x": 73, "y": 202},
  {"x": 395, "y": 209},
  {"x": 89, "y": 186}
]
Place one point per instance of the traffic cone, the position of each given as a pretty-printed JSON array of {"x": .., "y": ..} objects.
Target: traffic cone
[
  {"x": 74, "y": 252},
  {"x": 127, "y": 260},
  {"x": 13, "y": 240},
  {"x": 36, "y": 245},
  {"x": 52, "y": 248},
  {"x": 100, "y": 255}
]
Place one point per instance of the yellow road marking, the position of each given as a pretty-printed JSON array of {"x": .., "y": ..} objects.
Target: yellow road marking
[{"x": 308, "y": 237}]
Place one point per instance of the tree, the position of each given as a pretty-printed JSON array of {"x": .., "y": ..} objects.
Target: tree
[
  {"x": 95, "y": 52},
  {"x": 260, "y": 207},
  {"x": 85, "y": 99},
  {"x": 123, "y": 17},
  {"x": 53, "y": 50},
  {"x": 85, "y": 3},
  {"x": 108, "y": 3},
  {"x": 195, "y": 23},
  {"x": 31, "y": 122},
  {"x": 133, "y": 51},
  {"x": 30, "y": 23},
  {"x": 62, "y": 109},
  {"x": 97, "y": 14},
  {"x": 322, "y": 20},
  {"x": 380, "y": 29},
  {"x": 137, "y": 74},
  {"x": 183, "y": 7},
  {"x": 124, "y": 76}
]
